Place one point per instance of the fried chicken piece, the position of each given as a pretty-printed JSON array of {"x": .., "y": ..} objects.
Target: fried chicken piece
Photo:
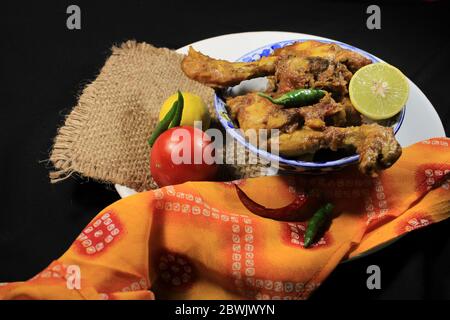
[
  {"x": 352, "y": 116},
  {"x": 312, "y": 72},
  {"x": 254, "y": 112},
  {"x": 220, "y": 73},
  {"x": 376, "y": 145},
  {"x": 316, "y": 114},
  {"x": 329, "y": 51}
]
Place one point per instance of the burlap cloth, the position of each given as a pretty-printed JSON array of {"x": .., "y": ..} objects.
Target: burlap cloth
[{"x": 105, "y": 135}]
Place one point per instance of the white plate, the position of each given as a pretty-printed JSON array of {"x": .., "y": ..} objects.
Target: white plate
[{"x": 421, "y": 119}]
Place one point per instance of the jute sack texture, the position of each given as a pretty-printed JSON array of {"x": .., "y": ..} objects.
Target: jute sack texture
[{"x": 105, "y": 135}]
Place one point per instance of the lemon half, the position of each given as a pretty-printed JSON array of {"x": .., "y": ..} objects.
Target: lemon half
[{"x": 379, "y": 91}]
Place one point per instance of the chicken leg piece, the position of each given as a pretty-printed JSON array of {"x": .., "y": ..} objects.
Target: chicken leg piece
[
  {"x": 220, "y": 73},
  {"x": 376, "y": 145}
]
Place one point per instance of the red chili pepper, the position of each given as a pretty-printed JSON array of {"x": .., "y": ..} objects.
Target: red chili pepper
[{"x": 300, "y": 209}]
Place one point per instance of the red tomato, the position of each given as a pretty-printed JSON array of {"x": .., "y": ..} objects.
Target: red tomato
[{"x": 181, "y": 154}]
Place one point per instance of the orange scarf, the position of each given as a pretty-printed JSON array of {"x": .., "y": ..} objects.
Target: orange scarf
[{"x": 198, "y": 241}]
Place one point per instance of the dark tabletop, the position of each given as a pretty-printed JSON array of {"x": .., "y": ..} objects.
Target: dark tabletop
[{"x": 44, "y": 67}]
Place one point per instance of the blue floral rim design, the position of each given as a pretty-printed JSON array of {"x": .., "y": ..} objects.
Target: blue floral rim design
[{"x": 224, "y": 118}]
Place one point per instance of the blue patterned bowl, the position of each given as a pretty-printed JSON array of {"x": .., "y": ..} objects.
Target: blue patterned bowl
[{"x": 285, "y": 163}]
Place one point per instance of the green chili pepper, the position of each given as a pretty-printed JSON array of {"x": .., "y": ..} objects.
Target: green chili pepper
[
  {"x": 316, "y": 223},
  {"x": 163, "y": 124},
  {"x": 170, "y": 120},
  {"x": 179, "y": 111},
  {"x": 299, "y": 97}
]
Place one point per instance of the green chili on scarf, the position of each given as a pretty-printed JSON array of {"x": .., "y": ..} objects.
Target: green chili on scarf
[{"x": 316, "y": 223}]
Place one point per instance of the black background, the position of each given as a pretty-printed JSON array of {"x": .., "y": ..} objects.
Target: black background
[{"x": 44, "y": 67}]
